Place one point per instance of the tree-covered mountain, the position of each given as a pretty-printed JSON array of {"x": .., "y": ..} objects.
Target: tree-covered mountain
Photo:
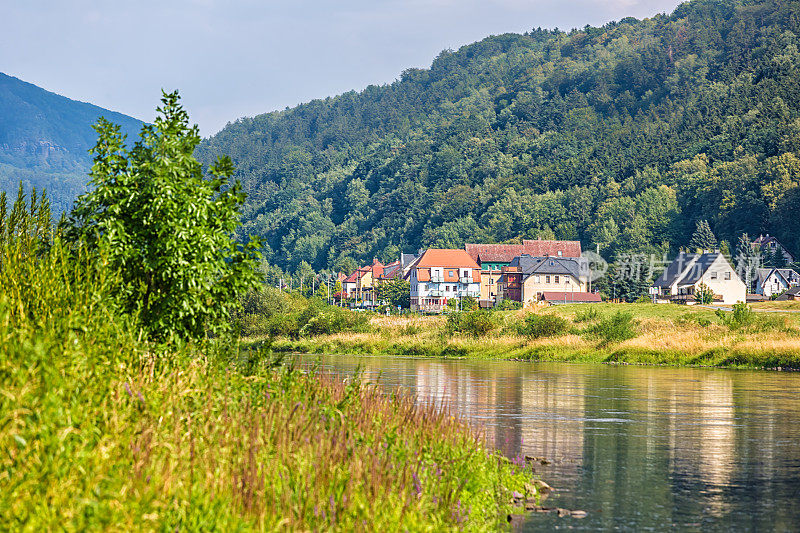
[
  {"x": 622, "y": 135},
  {"x": 45, "y": 138}
]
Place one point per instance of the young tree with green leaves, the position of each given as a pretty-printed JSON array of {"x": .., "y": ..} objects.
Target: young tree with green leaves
[
  {"x": 166, "y": 227},
  {"x": 396, "y": 292},
  {"x": 704, "y": 295}
]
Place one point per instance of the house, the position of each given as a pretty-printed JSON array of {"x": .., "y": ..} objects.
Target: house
[
  {"x": 528, "y": 279},
  {"x": 439, "y": 276},
  {"x": 681, "y": 279},
  {"x": 771, "y": 281},
  {"x": 791, "y": 294},
  {"x": 360, "y": 285},
  {"x": 349, "y": 285},
  {"x": 769, "y": 244},
  {"x": 493, "y": 257},
  {"x": 391, "y": 270}
]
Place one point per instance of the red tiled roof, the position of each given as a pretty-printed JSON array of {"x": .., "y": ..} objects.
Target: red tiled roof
[
  {"x": 352, "y": 277},
  {"x": 579, "y": 297},
  {"x": 542, "y": 248},
  {"x": 504, "y": 253},
  {"x": 437, "y": 257},
  {"x": 494, "y": 253},
  {"x": 450, "y": 261}
]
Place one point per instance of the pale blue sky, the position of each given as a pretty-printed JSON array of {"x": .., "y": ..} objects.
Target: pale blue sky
[{"x": 244, "y": 57}]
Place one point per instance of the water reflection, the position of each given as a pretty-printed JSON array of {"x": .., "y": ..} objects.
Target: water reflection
[{"x": 639, "y": 448}]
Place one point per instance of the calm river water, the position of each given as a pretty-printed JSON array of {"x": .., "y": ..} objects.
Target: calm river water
[{"x": 638, "y": 448}]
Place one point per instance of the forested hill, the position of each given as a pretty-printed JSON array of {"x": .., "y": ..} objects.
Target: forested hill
[
  {"x": 45, "y": 138},
  {"x": 622, "y": 136}
]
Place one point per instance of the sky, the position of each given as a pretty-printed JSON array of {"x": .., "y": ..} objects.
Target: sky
[{"x": 239, "y": 58}]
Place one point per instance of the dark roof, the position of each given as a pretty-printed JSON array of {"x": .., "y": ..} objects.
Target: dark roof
[
  {"x": 574, "y": 266},
  {"x": 788, "y": 275},
  {"x": 675, "y": 270},
  {"x": 699, "y": 268}
]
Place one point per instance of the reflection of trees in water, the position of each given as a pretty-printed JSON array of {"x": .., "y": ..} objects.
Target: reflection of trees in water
[{"x": 663, "y": 445}]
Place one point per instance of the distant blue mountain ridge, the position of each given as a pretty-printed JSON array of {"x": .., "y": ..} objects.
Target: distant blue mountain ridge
[{"x": 45, "y": 139}]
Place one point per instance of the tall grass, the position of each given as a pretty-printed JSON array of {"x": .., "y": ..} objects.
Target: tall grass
[{"x": 101, "y": 430}]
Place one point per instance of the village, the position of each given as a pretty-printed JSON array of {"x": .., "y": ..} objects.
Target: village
[{"x": 553, "y": 272}]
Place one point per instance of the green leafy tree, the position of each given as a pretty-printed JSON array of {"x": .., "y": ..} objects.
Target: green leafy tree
[
  {"x": 167, "y": 228},
  {"x": 704, "y": 295},
  {"x": 703, "y": 238},
  {"x": 396, "y": 291}
]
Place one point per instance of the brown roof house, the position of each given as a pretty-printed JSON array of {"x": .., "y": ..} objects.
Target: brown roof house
[
  {"x": 440, "y": 275},
  {"x": 493, "y": 257},
  {"x": 554, "y": 279}
]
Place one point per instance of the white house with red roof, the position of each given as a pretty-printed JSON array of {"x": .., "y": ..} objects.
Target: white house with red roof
[{"x": 441, "y": 275}]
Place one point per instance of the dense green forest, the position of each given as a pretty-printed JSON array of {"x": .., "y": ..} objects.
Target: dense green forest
[
  {"x": 45, "y": 140},
  {"x": 623, "y": 136}
]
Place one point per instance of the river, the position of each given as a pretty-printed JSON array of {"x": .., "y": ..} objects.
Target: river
[{"x": 638, "y": 448}]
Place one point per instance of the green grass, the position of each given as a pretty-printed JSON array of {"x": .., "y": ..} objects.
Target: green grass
[
  {"x": 101, "y": 430},
  {"x": 603, "y": 333}
]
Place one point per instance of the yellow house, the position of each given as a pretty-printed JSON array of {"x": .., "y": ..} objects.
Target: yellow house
[{"x": 555, "y": 279}]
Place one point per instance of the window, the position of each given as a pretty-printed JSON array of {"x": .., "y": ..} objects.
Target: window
[
  {"x": 538, "y": 278},
  {"x": 713, "y": 275},
  {"x": 560, "y": 253},
  {"x": 547, "y": 279},
  {"x": 491, "y": 281},
  {"x": 557, "y": 279},
  {"x": 727, "y": 276}
]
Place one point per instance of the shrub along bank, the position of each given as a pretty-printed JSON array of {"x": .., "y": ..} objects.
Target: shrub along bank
[{"x": 622, "y": 333}]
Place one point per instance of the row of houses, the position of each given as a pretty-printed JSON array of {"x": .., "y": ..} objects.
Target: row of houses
[
  {"x": 552, "y": 271},
  {"x": 534, "y": 270}
]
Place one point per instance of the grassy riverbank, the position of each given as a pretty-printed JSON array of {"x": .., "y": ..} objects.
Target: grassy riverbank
[
  {"x": 659, "y": 334},
  {"x": 101, "y": 430}
]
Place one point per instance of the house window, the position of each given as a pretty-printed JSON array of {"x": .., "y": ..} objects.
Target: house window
[
  {"x": 538, "y": 278},
  {"x": 727, "y": 276},
  {"x": 713, "y": 275},
  {"x": 557, "y": 279},
  {"x": 547, "y": 279},
  {"x": 560, "y": 253},
  {"x": 491, "y": 281}
]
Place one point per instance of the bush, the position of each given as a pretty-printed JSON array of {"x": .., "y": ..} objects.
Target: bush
[
  {"x": 704, "y": 294},
  {"x": 475, "y": 323},
  {"x": 618, "y": 327},
  {"x": 334, "y": 320},
  {"x": 508, "y": 305},
  {"x": 536, "y": 326},
  {"x": 742, "y": 315},
  {"x": 589, "y": 315}
]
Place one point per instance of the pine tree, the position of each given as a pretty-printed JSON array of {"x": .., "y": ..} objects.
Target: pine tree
[{"x": 703, "y": 238}]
